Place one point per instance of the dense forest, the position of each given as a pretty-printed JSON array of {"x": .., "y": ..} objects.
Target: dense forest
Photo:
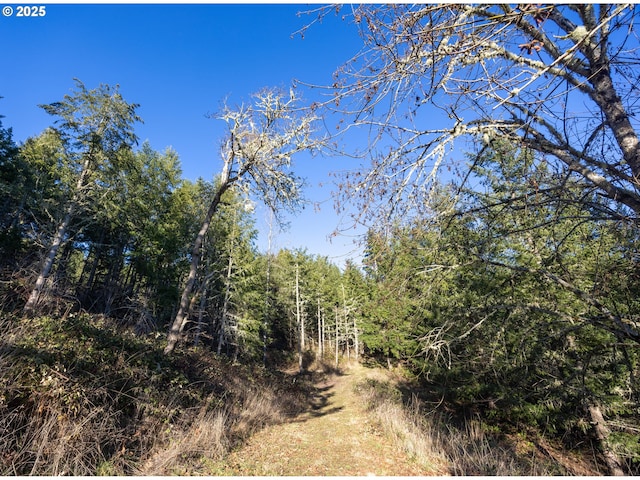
[{"x": 504, "y": 282}]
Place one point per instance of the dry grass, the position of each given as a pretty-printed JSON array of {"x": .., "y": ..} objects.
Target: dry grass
[
  {"x": 207, "y": 437},
  {"x": 56, "y": 446},
  {"x": 258, "y": 410},
  {"x": 80, "y": 397},
  {"x": 405, "y": 425},
  {"x": 432, "y": 438},
  {"x": 408, "y": 431},
  {"x": 474, "y": 452},
  {"x": 193, "y": 445}
]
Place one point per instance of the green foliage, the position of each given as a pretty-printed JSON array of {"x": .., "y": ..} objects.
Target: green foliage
[
  {"x": 517, "y": 302},
  {"x": 12, "y": 172},
  {"x": 506, "y": 304},
  {"x": 625, "y": 444},
  {"x": 326, "y": 295},
  {"x": 95, "y": 122}
]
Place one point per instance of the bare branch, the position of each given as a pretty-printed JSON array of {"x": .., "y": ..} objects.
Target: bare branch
[{"x": 543, "y": 76}]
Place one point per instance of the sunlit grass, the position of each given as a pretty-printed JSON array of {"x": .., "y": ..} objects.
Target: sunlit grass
[{"x": 431, "y": 438}]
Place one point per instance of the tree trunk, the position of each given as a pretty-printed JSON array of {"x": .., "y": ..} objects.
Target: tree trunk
[
  {"x": 225, "y": 304},
  {"x": 32, "y": 302},
  {"x": 58, "y": 238},
  {"x": 324, "y": 338},
  {"x": 336, "y": 336},
  {"x": 319, "y": 355},
  {"x": 345, "y": 312},
  {"x": 602, "y": 434},
  {"x": 299, "y": 321},
  {"x": 203, "y": 301},
  {"x": 181, "y": 317},
  {"x": 265, "y": 322},
  {"x": 355, "y": 339},
  {"x": 607, "y": 98}
]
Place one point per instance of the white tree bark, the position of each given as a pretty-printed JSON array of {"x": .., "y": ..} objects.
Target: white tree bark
[
  {"x": 320, "y": 344},
  {"x": 299, "y": 321},
  {"x": 337, "y": 337},
  {"x": 257, "y": 157},
  {"x": 56, "y": 242},
  {"x": 602, "y": 434},
  {"x": 181, "y": 318}
]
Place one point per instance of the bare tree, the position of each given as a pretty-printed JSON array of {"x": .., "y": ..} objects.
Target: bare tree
[
  {"x": 257, "y": 158},
  {"x": 557, "y": 80},
  {"x": 560, "y": 80}
]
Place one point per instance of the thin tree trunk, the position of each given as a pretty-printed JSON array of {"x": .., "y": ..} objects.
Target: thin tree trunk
[
  {"x": 355, "y": 338},
  {"x": 336, "y": 336},
  {"x": 175, "y": 334},
  {"x": 203, "y": 301},
  {"x": 181, "y": 317},
  {"x": 602, "y": 434},
  {"x": 62, "y": 270},
  {"x": 113, "y": 283},
  {"x": 96, "y": 249},
  {"x": 32, "y": 302},
  {"x": 319, "y": 331},
  {"x": 346, "y": 322},
  {"x": 265, "y": 322},
  {"x": 324, "y": 337},
  {"x": 299, "y": 320},
  {"x": 225, "y": 304}
]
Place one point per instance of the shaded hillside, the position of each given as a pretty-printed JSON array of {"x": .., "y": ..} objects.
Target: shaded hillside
[{"x": 78, "y": 396}]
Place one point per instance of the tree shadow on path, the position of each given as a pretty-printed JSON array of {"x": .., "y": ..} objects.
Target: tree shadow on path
[{"x": 321, "y": 395}]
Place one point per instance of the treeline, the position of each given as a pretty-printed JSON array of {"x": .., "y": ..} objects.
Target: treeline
[
  {"x": 92, "y": 221},
  {"x": 517, "y": 300}
]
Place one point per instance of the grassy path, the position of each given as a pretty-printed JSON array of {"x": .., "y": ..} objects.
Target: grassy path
[{"x": 336, "y": 437}]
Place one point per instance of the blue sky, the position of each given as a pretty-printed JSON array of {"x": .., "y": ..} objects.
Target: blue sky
[{"x": 179, "y": 62}]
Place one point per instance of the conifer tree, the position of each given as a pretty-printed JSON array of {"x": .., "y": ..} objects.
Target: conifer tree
[{"x": 95, "y": 126}]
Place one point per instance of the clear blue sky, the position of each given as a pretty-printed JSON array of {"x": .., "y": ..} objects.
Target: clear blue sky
[{"x": 179, "y": 62}]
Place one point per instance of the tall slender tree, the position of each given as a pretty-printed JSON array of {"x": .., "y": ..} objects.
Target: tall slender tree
[
  {"x": 95, "y": 126},
  {"x": 256, "y": 157}
]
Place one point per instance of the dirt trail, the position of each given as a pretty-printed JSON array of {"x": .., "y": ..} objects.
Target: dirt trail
[{"x": 336, "y": 437}]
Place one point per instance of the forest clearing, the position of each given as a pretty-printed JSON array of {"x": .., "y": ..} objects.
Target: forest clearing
[{"x": 490, "y": 326}]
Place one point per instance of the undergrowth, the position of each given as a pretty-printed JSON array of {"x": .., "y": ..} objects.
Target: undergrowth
[
  {"x": 470, "y": 447},
  {"x": 80, "y": 396}
]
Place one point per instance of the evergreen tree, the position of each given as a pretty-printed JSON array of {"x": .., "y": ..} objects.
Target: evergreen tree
[
  {"x": 256, "y": 155},
  {"x": 504, "y": 304},
  {"x": 13, "y": 179},
  {"x": 95, "y": 126}
]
